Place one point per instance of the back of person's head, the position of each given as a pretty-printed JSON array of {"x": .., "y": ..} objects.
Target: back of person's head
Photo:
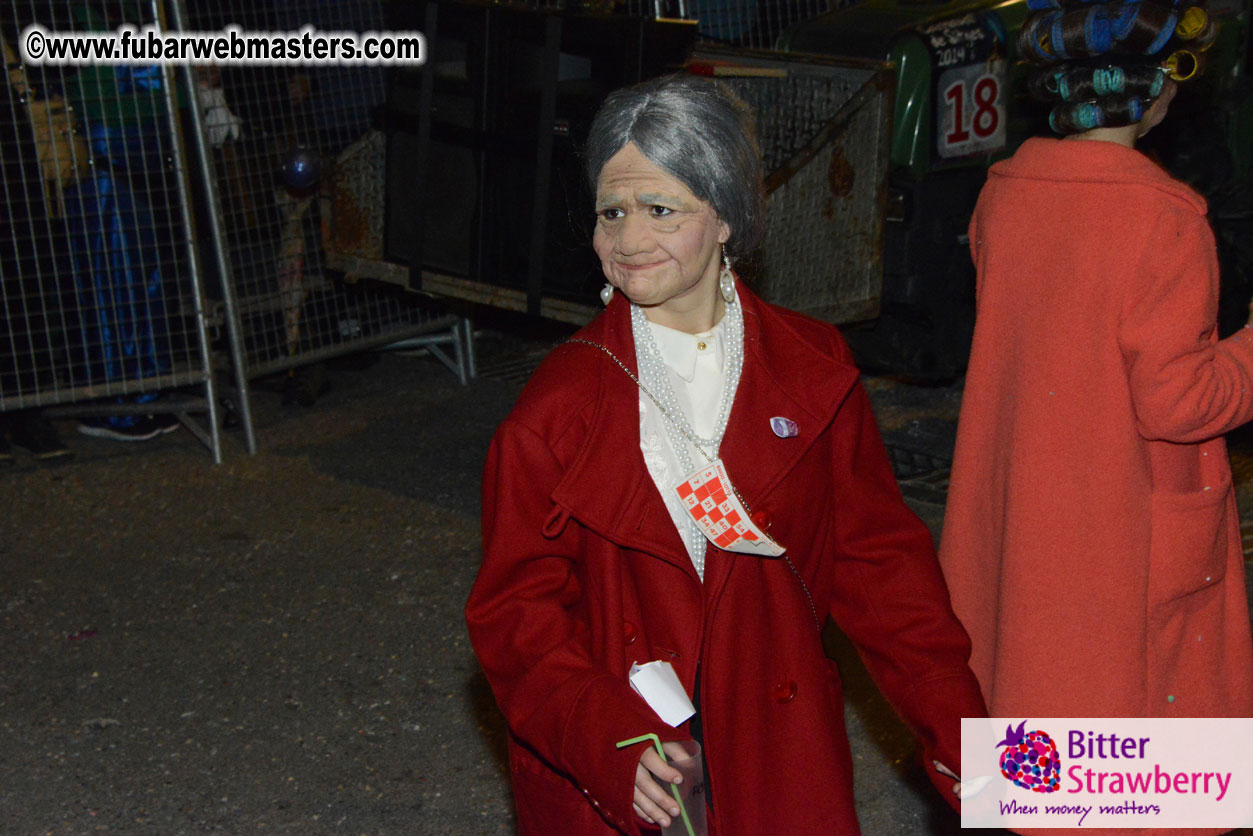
[{"x": 1104, "y": 63}]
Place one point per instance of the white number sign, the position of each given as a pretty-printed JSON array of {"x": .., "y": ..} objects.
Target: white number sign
[{"x": 970, "y": 115}]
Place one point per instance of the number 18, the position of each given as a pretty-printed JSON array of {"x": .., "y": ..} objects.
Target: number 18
[{"x": 987, "y": 118}]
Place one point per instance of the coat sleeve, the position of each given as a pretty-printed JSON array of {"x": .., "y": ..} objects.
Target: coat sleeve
[
  {"x": 532, "y": 645},
  {"x": 890, "y": 598},
  {"x": 1185, "y": 385},
  {"x": 974, "y": 242}
]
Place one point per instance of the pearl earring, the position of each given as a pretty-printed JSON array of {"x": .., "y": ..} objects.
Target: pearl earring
[
  {"x": 606, "y": 293},
  {"x": 726, "y": 281}
]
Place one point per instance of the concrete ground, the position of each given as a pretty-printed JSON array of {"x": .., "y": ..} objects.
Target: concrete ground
[{"x": 275, "y": 644}]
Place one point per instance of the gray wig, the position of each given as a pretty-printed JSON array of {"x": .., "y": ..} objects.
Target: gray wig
[{"x": 700, "y": 133}]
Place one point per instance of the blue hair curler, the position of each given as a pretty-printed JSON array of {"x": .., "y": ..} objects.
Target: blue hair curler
[
  {"x": 1163, "y": 36},
  {"x": 1122, "y": 22},
  {"x": 1098, "y": 35},
  {"x": 1059, "y": 47},
  {"x": 1156, "y": 85},
  {"x": 1060, "y": 86},
  {"x": 1135, "y": 109},
  {"x": 1089, "y": 115},
  {"x": 1037, "y": 29},
  {"x": 1108, "y": 80},
  {"x": 1082, "y": 117}
]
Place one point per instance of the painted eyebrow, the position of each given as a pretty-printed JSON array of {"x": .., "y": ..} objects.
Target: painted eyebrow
[
  {"x": 656, "y": 198},
  {"x": 648, "y": 199}
]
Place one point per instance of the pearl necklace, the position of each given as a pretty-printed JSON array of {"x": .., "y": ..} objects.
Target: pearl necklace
[
  {"x": 654, "y": 381},
  {"x": 655, "y": 377},
  {"x": 652, "y": 368}
]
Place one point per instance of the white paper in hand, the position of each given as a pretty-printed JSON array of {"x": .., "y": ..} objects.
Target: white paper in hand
[{"x": 659, "y": 685}]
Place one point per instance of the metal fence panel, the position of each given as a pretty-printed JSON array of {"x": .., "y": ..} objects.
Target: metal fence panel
[
  {"x": 286, "y": 149},
  {"x": 99, "y": 289},
  {"x": 825, "y": 137}
]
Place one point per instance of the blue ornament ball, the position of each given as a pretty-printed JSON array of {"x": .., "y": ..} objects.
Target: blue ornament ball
[{"x": 300, "y": 169}]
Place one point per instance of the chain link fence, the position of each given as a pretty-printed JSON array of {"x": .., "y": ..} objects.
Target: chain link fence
[
  {"x": 297, "y": 177},
  {"x": 824, "y": 131},
  {"x": 150, "y": 218},
  {"x": 156, "y": 223},
  {"x": 100, "y": 294}
]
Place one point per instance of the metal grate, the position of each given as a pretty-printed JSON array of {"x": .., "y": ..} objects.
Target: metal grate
[
  {"x": 823, "y": 130},
  {"x": 99, "y": 292},
  {"x": 792, "y": 109}
]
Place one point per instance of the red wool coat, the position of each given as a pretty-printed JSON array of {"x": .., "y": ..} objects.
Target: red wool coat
[
  {"x": 584, "y": 573},
  {"x": 1091, "y": 541}
]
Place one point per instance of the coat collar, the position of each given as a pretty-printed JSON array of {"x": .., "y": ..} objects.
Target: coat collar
[
  {"x": 1092, "y": 161},
  {"x": 608, "y": 488},
  {"x": 680, "y": 350}
]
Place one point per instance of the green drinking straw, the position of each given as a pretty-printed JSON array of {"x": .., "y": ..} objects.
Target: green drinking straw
[{"x": 673, "y": 789}]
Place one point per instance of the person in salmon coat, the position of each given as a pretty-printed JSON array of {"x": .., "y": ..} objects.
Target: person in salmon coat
[
  {"x": 591, "y": 562},
  {"x": 1091, "y": 540}
]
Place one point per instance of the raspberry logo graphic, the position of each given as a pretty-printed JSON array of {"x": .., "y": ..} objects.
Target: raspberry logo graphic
[{"x": 1030, "y": 759}]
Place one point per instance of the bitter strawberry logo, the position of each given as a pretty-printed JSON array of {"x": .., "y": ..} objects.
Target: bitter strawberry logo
[{"x": 1030, "y": 759}]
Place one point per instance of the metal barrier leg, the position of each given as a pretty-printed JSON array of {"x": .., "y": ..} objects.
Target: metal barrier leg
[
  {"x": 459, "y": 354},
  {"x": 466, "y": 329},
  {"x": 218, "y": 236},
  {"x": 212, "y": 437},
  {"x": 460, "y": 335}
]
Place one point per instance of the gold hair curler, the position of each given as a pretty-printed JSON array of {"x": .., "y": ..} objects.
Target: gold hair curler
[
  {"x": 1182, "y": 65},
  {"x": 1192, "y": 23},
  {"x": 1195, "y": 25}
]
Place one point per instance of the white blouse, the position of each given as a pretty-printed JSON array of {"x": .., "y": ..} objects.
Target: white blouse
[{"x": 695, "y": 364}]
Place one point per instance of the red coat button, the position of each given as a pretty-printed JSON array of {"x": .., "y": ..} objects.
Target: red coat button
[
  {"x": 761, "y": 519},
  {"x": 629, "y": 633},
  {"x": 785, "y": 692}
]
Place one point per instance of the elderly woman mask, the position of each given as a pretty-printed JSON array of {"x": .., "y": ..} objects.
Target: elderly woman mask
[{"x": 658, "y": 243}]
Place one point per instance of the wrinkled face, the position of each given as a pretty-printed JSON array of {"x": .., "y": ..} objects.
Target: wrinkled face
[{"x": 658, "y": 243}]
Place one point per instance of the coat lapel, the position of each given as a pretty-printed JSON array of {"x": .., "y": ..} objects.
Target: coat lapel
[
  {"x": 608, "y": 487},
  {"x": 784, "y": 376}
]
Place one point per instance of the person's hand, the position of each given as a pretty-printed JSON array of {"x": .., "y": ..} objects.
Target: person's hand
[
  {"x": 944, "y": 770},
  {"x": 963, "y": 789},
  {"x": 653, "y": 801}
]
